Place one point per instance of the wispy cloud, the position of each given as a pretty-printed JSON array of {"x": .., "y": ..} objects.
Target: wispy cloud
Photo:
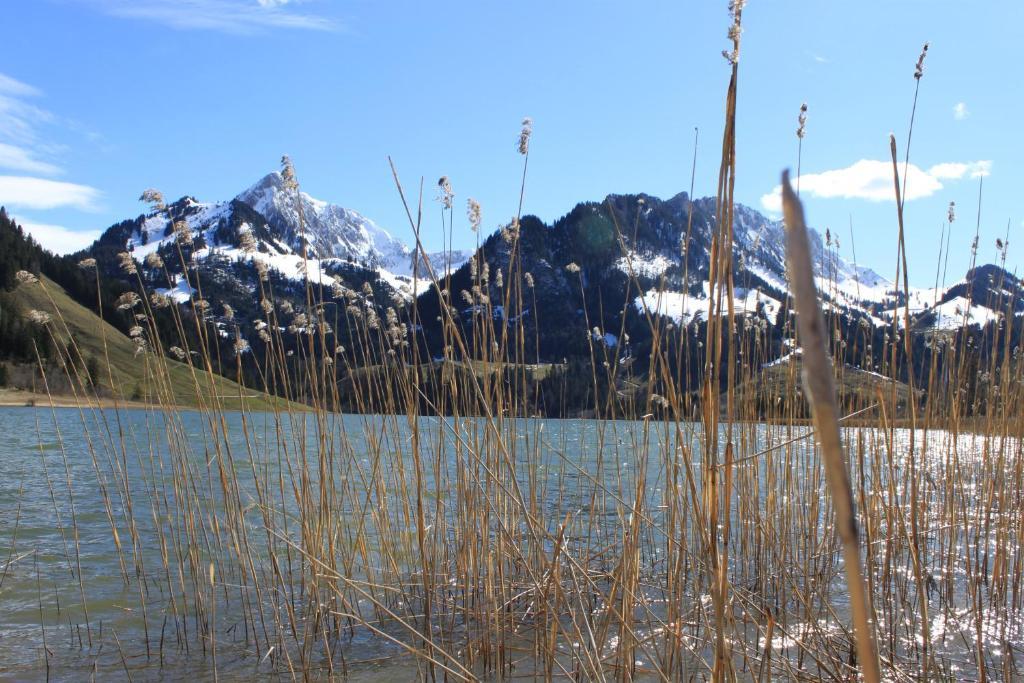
[
  {"x": 40, "y": 193},
  {"x": 20, "y": 159},
  {"x": 960, "y": 111},
  {"x": 13, "y": 87},
  {"x": 872, "y": 180},
  {"x": 57, "y": 238},
  {"x": 19, "y": 125},
  {"x": 19, "y": 118},
  {"x": 228, "y": 16}
]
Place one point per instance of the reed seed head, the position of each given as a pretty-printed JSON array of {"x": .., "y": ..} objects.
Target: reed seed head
[
  {"x": 23, "y": 277},
  {"x": 445, "y": 194},
  {"x": 155, "y": 199},
  {"x": 474, "y": 214},
  {"x": 524, "y": 136},
  {"x": 39, "y": 317},
  {"x": 919, "y": 67},
  {"x": 127, "y": 263},
  {"x": 288, "y": 173}
]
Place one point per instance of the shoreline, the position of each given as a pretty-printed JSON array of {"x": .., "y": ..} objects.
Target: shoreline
[{"x": 18, "y": 398}]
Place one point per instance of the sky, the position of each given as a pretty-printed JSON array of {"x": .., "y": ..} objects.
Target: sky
[{"x": 101, "y": 99}]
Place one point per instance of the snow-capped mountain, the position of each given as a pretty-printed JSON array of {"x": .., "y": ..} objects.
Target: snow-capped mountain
[
  {"x": 634, "y": 252},
  {"x": 269, "y": 226},
  {"x": 326, "y": 230}
]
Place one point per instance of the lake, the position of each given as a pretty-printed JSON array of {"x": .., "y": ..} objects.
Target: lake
[{"x": 151, "y": 546}]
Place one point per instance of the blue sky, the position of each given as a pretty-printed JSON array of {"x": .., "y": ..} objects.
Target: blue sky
[{"x": 100, "y": 99}]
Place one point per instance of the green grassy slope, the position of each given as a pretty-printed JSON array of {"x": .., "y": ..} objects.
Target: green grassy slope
[{"x": 125, "y": 375}]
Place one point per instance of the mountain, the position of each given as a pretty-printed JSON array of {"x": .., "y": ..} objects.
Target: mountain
[
  {"x": 608, "y": 272},
  {"x": 271, "y": 227}
]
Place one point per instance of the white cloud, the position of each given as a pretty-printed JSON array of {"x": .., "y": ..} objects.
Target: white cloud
[
  {"x": 14, "y": 87},
  {"x": 20, "y": 159},
  {"x": 228, "y": 16},
  {"x": 39, "y": 193},
  {"x": 960, "y": 111},
  {"x": 956, "y": 171},
  {"x": 59, "y": 239},
  {"x": 20, "y": 146},
  {"x": 872, "y": 180},
  {"x": 18, "y": 118}
]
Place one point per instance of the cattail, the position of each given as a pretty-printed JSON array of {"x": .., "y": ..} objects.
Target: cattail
[
  {"x": 202, "y": 305},
  {"x": 87, "y": 263},
  {"x": 801, "y": 130},
  {"x": 919, "y": 67},
  {"x": 127, "y": 263},
  {"x": 229, "y": 313},
  {"x": 288, "y": 173},
  {"x": 286, "y": 307},
  {"x": 367, "y": 289},
  {"x": 178, "y": 352},
  {"x": 524, "y": 136},
  {"x": 529, "y": 279},
  {"x": 241, "y": 346},
  {"x": 467, "y": 297},
  {"x": 474, "y": 214},
  {"x": 155, "y": 199},
  {"x": 499, "y": 281},
  {"x": 262, "y": 270},
  {"x": 264, "y": 336},
  {"x": 127, "y": 301},
  {"x": 23, "y": 277},
  {"x": 572, "y": 268},
  {"x": 135, "y": 331},
  {"x": 951, "y": 216},
  {"x": 39, "y": 317},
  {"x": 153, "y": 261},
  {"x": 266, "y": 306},
  {"x": 445, "y": 193}
]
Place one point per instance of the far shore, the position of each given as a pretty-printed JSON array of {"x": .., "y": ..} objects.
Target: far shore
[{"x": 19, "y": 398}]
